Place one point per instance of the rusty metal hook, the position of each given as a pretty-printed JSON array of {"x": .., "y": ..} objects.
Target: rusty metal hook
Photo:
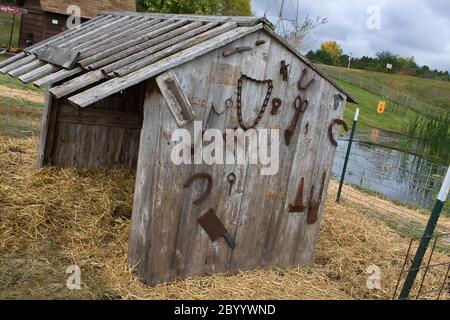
[
  {"x": 208, "y": 188},
  {"x": 330, "y": 130},
  {"x": 300, "y": 87}
]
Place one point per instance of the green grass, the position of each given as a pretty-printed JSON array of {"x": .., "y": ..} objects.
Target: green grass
[
  {"x": 395, "y": 118},
  {"x": 434, "y": 92},
  {"x": 5, "y": 30},
  {"x": 8, "y": 81}
]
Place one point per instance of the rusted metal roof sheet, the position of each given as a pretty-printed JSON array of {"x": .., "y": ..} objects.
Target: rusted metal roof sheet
[{"x": 118, "y": 50}]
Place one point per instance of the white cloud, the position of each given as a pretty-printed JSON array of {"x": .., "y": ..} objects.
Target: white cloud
[{"x": 419, "y": 28}]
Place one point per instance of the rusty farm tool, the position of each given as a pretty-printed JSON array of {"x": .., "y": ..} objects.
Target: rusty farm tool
[
  {"x": 313, "y": 208},
  {"x": 300, "y": 81},
  {"x": 300, "y": 107},
  {"x": 284, "y": 71},
  {"x": 215, "y": 228},
  {"x": 276, "y": 105},
  {"x": 208, "y": 188},
  {"x": 231, "y": 178},
  {"x": 330, "y": 130},
  {"x": 298, "y": 205}
]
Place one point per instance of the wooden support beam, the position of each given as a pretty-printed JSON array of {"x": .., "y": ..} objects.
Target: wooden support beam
[
  {"x": 176, "y": 99},
  {"x": 17, "y": 64},
  {"x": 38, "y": 73},
  {"x": 108, "y": 88},
  {"x": 26, "y": 68},
  {"x": 78, "y": 83},
  {"x": 93, "y": 62},
  {"x": 12, "y": 59},
  {"x": 69, "y": 34},
  {"x": 48, "y": 81},
  {"x": 144, "y": 61},
  {"x": 158, "y": 44}
]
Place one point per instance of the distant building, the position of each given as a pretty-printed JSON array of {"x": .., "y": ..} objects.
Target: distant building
[{"x": 46, "y": 18}]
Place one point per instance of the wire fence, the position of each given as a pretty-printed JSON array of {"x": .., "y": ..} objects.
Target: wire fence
[
  {"x": 20, "y": 112},
  {"x": 401, "y": 98}
]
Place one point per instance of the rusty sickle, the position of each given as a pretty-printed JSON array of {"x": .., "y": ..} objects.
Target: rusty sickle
[
  {"x": 330, "y": 130},
  {"x": 300, "y": 107},
  {"x": 313, "y": 208},
  {"x": 208, "y": 188},
  {"x": 298, "y": 205},
  {"x": 300, "y": 86}
]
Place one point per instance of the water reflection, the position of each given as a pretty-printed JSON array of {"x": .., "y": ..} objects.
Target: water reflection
[{"x": 402, "y": 177}]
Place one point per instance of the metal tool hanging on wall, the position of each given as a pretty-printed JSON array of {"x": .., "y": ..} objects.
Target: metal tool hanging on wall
[
  {"x": 231, "y": 178},
  {"x": 276, "y": 105},
  {"x": 330, "y": 130},
  {"x": 298, "y": 206},
  {"x": 239, "y": 101},
  {"x": 215, "y": 228},
  {"x": 284, "y": 70},
  {"x": 313, "y": 207},
  {"x": 300, "y": 107},
  {"x": 302, "y": 87},
  {"x": 208, "y": 188}
]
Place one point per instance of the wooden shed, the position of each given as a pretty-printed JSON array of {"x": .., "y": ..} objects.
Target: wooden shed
[
  {"x": 46, "y": 18},
  {"x": 120, "y": 86}
]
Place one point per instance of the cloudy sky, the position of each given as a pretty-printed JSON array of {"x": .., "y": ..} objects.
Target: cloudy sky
[{"x": 419, "y": 28}]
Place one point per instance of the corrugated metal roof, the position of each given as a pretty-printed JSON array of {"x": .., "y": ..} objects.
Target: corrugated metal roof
[{"x": 118, "y": 50}]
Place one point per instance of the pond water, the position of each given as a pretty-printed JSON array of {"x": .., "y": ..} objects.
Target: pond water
[{"x": 405, "y": 178}]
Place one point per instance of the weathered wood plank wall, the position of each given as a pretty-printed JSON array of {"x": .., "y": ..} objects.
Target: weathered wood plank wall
[
  {"x": 105, "y": 135},
  {"x": 166, "y": 241}
]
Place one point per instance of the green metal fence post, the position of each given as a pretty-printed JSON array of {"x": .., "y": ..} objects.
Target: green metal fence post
[
  {"x": 428, "y": 233},
  {"x": 347, "y": 156}
]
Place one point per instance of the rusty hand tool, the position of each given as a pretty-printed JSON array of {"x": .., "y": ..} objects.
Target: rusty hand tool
[
  {"x": 208, "y": 188},
  {"x": 298, "y": 205},
  {"x": 276, "y": 105},
  {"x": 330, "y": 130},
  {"x": 313, "y": 212},
  {"x": 300, "y": 86},
  {"x": 236, "y": 50},
  {"x": 300, "y": 107},
  {"x": 231, "y": 180},
  {"x": 215, "y": 228},
  {"x": 284, "y": 71}
]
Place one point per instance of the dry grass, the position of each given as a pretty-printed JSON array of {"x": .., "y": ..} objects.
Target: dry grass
[{"x": 58, "y": 217}]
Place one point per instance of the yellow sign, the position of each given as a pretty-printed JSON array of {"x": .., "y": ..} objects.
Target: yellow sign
[
  {"x": 375, "y": 134},
  {"x": 381, "y": 106}
]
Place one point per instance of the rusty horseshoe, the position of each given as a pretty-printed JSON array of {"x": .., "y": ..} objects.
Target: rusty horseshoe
[
  {"x": 208, "y": 188},
  {"x": 330, "y": 130},
  {"x": 300, "y": 86}
]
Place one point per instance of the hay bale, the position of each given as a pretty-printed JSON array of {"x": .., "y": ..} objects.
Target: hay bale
[{"x": 59, "y": 217}]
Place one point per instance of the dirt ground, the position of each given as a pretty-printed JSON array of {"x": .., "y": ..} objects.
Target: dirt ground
[{"x": 53, "y": 218}]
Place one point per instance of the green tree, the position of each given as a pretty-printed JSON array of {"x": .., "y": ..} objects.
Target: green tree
[{"x": 211, "y": 7}]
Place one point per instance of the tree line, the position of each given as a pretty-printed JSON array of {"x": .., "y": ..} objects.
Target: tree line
[
  {"x": 330, "y": 53},
  {"x": 211, "y": 7}
]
